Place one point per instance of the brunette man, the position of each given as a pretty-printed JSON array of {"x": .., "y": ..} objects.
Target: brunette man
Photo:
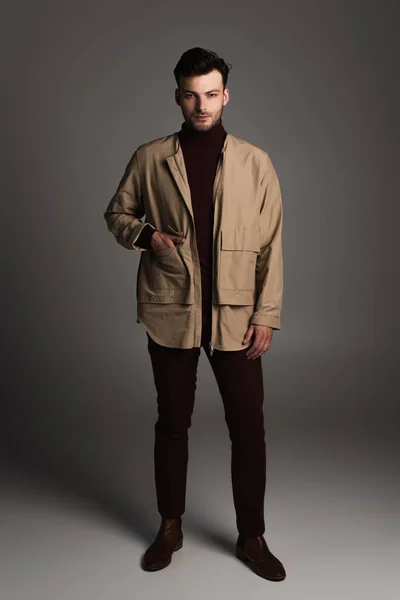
[{"x": 210, "y": 275}]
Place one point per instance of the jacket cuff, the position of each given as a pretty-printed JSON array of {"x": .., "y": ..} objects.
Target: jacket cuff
[
  {"x": 267, "y": 320},
  {"x": 144, "y": 239}
]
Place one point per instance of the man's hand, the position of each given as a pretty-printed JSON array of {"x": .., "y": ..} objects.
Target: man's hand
[
  {"x": 161, "y": 240},
  {"x": 262, "y": 340}
]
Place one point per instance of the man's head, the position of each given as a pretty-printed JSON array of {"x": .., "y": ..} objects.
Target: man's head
[{"x": 201, "y": 77}]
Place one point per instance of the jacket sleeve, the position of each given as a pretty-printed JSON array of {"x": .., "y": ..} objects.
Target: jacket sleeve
[
  {"x": 269, "y": 267},
  {"x": 125, "y": 209}
]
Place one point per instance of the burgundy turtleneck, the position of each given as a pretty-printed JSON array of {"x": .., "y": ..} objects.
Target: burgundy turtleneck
[{"x": 201, "y": 151}]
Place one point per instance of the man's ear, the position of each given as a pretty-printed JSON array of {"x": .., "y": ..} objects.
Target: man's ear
[
  {"x": 226, "y": 96},
  {"x": 177, "y": 98}
]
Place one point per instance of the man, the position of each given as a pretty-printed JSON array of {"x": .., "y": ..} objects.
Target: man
[{"x": 210, "y": 275}]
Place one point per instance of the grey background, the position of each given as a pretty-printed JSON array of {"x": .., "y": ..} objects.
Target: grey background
[{"x": 313, "y": 84}]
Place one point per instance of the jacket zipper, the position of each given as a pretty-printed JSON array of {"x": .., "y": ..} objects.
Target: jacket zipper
[{"x": 213, "y": 270}]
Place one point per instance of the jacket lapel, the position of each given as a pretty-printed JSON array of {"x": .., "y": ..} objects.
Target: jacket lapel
[{"x": 176, "y": 165}]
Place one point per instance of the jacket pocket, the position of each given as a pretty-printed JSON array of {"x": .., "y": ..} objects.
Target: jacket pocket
[
  {"x": 239, "y": 247},
  {"x": 168, "y": 270}
]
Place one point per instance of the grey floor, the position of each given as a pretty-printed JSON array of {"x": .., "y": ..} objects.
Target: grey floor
[{"x": 331, "y": 516}]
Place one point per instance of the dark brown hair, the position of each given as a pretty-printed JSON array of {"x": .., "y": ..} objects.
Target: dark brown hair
[{"x": 199, "y": 61}]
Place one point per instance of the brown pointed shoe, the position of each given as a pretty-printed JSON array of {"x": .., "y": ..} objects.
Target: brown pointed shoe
[
  {"x": 255, "y": 552},
  {"x": 169, "y": 539}
]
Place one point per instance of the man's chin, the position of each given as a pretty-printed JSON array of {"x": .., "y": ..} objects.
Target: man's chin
[{"x": 201, "y": 125}]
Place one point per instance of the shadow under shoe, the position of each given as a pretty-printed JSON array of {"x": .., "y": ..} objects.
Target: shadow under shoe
[
  {"x": 169, "y": 539},
  {"x": 255, "y": 552}
]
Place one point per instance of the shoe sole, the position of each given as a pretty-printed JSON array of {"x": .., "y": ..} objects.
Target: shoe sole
[
  {"x": 166, "y": 564},
  {"x": 248, "y": 561}
]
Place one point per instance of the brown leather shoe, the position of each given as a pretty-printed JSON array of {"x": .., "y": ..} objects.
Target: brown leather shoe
[
  {"x": 169, "y": 539},
  {"x": 254, "y": 550}
]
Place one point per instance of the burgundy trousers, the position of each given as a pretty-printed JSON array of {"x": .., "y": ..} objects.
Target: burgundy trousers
[{"x": 240, "y": 383}]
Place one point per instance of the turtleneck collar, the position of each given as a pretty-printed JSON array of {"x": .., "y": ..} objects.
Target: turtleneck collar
[{"x": 217, "y": 132}]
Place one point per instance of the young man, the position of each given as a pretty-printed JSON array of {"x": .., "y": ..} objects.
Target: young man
[{"x": 210, "y": 275}]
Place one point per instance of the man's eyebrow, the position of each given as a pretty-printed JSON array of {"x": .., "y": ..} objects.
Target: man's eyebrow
[{"x": 192, "y": 92}]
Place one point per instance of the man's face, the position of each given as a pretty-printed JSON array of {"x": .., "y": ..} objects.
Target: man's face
[{"x": 202, "y": 95}]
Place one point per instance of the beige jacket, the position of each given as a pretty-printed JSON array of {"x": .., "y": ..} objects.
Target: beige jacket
[{"x": 247, "y": 243}]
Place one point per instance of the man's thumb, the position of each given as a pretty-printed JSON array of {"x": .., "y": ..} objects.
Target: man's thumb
[{"x": 248, "y": 335}]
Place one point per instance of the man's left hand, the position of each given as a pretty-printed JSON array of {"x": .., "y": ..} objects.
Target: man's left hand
[{"x": 262, "y": 340}]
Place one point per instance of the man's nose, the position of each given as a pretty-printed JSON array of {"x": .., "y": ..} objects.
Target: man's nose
[{"x": 202, "y": 106}]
